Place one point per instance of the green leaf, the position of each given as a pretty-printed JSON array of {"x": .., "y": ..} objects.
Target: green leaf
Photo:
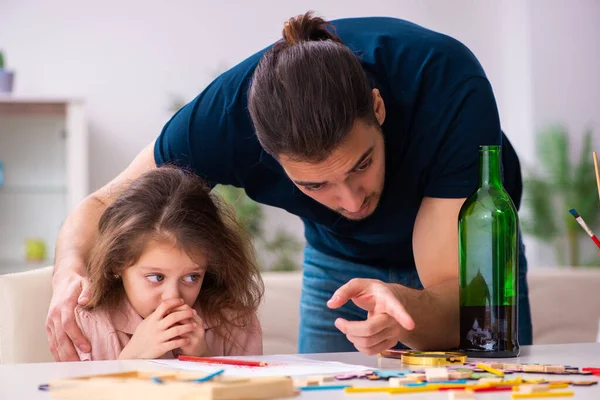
[
  {"x": 556, "y": 185},
  {"x": 250, "y": 215},
  {"x": 537, "y": 196},
  {"x": 553, "y": 148},
  {"x": 248, "y": 212}
]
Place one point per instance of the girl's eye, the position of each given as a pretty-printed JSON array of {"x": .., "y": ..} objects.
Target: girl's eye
[
  {"x": 155, "y": 278},
  {"x": 192, "y": 278}
]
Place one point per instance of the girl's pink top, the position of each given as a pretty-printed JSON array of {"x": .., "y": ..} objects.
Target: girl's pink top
[{"x": 109, "y": 331}]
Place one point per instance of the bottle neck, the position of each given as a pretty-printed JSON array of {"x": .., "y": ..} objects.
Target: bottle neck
[{"x": 489, "y": 166}]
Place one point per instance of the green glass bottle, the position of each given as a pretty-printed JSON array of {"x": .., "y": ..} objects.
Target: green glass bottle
[{"x": 488, "y": 227}]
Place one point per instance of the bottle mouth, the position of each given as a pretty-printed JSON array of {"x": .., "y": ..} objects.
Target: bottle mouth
[{"x": 486, "y": 147}]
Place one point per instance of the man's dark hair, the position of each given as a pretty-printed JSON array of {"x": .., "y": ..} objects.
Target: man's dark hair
[{"x": 307, "y": 91}]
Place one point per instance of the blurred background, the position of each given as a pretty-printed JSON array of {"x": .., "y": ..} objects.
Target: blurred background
[
  {"x": 128, "y": 65},
  {"x": 85, "y": 86},
  {"x": 124, "y": 67}
]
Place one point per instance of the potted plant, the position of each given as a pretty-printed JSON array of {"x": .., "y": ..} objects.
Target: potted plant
[
  {"x": 555, "y": 186},
  {"x": 6, "y": 77},
  {"x": 278, "y": 253}
]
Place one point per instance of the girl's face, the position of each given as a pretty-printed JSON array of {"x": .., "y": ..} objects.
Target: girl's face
[{"x": 162, "y": 272}]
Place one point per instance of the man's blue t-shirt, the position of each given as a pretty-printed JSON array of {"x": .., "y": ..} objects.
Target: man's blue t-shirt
[{"x": 439, "y": 109}]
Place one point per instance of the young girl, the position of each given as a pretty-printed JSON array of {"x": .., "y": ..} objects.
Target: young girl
[{"x": 171, "y": 273}]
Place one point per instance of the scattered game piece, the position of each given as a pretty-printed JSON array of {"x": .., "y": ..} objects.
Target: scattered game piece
[
  {"x": 391, "y": 374},
  {"x": 319, "y": 379},
  {"x": 489, "y": 380},
  {"x": 491, "y": 389},
  {"x": 560, "y": 382},
  {"x": 459, "y": 374},
  {"x": 554, "y": 385},
  {"x": 512, "y": 367},
  {"x": 533, "y": 388},
  {"x": 353, "y": 375},
  {"x": 490, "y": 369},
  {"x": 324, "y": 387},
  {"x": 534, "y": 381},
  {"x": 415, "y": 384},
  {"x": 477, "y": 375},
  {"x": 344, "y": 377},
  {"x": 436, "y": 374},
  {"x": 305, "y": 382},
  {"x": 593, "y": 371},
  {"x": 417, "y": 377},
  {"x": 542, "y": 395},
  {"x": 533, "y": 368},
  {"x": 572, "y": 370},
  {"x": 584, "y": 383},
  {"x": 554, "y": 369},
  {"x": 209, "y": 376},
  {"x": 397, "y": 382}
]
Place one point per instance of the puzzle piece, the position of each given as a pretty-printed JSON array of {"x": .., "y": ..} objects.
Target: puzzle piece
[
  {"x": 584, "y": 383},
  {"x": 436, "y": 374},
  {"x": 387, "y": 374},
  {"x": 353, "y": 375},
  {"x": 398, "y": 382},
  {"x": 459, "y": 375}
]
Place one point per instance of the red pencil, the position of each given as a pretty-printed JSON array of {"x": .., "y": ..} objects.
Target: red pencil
[
  {"x": 493, "y": 389},
  {"x": 228, "y": 361}
]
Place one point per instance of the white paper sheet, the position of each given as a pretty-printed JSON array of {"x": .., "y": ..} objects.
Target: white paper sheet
[{"x": 284, "y": 366}]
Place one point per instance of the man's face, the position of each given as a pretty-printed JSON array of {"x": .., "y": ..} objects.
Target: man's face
[{"x": 350, "y": 180}]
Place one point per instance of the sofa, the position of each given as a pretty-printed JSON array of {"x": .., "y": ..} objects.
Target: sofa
[{"x": 565, "y": 309}]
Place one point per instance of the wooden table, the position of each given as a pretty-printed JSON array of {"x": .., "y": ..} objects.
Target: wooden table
[{"x": 20, "y": 381}]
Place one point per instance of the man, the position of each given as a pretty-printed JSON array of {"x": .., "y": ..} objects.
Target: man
[{"x": 369, "y": 131}]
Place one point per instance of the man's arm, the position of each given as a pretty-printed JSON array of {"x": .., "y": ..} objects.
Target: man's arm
[
  {"x": 74, "y": 242},
  {"x": 421, "y": 319},
  {"x": 435, "y": 308}
]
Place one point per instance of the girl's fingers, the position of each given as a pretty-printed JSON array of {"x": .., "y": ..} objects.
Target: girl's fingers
[
  {"x": 165, "y": 307},
  {"x": 176, "y": 317},
  {"x": 174, "y": 344},
  {"x": 177, "y": 330}
]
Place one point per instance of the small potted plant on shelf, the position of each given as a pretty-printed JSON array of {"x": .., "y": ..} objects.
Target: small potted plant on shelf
[{"x": 6, "y": 76}]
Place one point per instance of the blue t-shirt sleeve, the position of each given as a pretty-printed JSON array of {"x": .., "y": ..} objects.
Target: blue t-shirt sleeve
[
  {"x": 469, "y": 119},
  {"x": 197, "y": 138}
]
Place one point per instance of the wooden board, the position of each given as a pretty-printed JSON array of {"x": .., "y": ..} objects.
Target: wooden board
[{"x": 175, "y": 386}]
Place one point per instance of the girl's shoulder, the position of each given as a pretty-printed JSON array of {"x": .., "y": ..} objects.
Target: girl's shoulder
[
  {"x": 98, "y": 329},
  {"x": 95, "y": 320}
]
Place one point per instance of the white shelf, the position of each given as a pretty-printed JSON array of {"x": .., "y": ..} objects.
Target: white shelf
[
  {"x": 44, "y": 152},
  {"x": 26, "y": 99},
  {"x": 33, "y": 189}
]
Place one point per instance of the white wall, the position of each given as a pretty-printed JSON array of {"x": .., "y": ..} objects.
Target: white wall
[
  {"x": 565, "y": 68},
  {"x": 127, "y": 57}
]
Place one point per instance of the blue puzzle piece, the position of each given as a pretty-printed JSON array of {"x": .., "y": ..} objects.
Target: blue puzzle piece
[{"x": 387, "y": 374}]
